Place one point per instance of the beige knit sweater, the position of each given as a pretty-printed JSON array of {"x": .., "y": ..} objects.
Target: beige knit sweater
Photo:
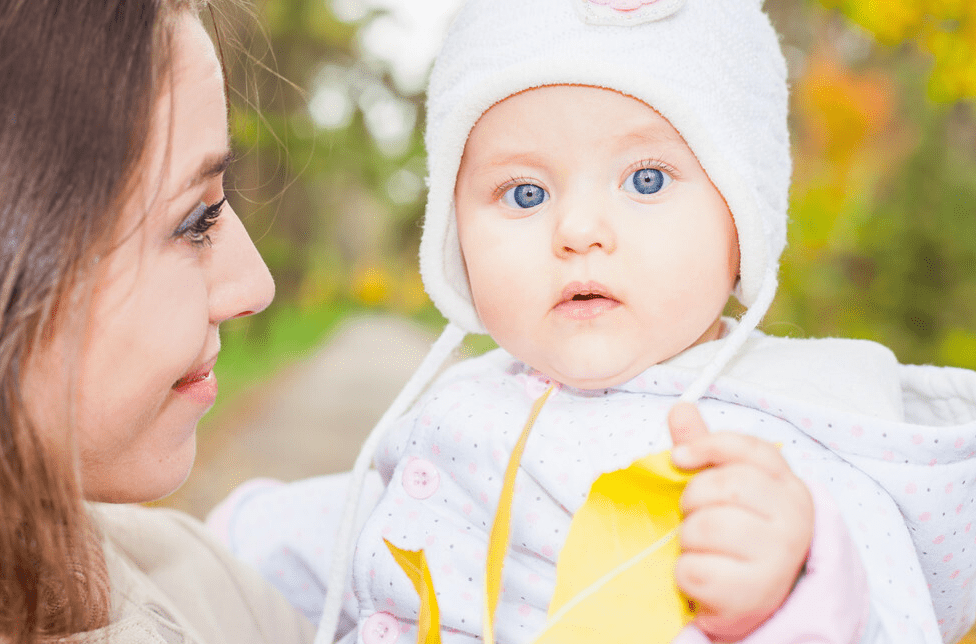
[{"x": 173, "y": 584}]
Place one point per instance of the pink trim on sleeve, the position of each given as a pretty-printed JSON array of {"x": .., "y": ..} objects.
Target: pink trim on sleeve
[{"x": 830, "y": 603}]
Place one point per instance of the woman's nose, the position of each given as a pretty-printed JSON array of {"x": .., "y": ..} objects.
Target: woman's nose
[
  {"x": 241, "y": 283},
  {"x": 582, "y": 225}
]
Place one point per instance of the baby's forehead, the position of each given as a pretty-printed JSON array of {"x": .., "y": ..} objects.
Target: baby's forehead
[
  {"x": 573, "y": 94},
  {"x": 529, "y": 117}
]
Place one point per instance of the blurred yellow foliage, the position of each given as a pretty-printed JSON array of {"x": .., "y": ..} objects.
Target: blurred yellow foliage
[
  {"x": 410, "y": 295},
  {"x": 847, "y": 132},
  {"x": 946, "y": 29},
  {"x": 371, "y": 285},
  {"x": 843, "y": 109}
]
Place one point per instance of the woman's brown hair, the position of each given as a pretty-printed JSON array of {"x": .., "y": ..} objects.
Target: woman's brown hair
[{"x": 78, "y": 83}]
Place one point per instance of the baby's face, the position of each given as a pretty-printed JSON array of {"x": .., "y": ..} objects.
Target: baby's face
[{"x": 595, "y": 244}]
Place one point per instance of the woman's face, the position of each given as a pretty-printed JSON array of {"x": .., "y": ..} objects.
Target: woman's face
[{"x": 133, "y": 378}]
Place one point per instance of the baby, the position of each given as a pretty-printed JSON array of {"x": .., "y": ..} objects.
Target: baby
[{"x": 603, "y": 175}]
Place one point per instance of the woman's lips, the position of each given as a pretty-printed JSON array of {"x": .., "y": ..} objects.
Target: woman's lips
[
  {"x": 585, "y": 301},
  {"x": 200, "y": 384}
]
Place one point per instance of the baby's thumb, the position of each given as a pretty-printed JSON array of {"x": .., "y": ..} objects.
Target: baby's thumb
[{"x": 686, "y": 423}]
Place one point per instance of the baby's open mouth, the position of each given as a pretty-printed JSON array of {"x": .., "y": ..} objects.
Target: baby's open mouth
[
  {"x": 584, "y": 301},
  {"x": 583, "y": 291}
]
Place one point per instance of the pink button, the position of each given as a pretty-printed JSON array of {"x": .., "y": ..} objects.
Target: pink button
[
  {"x": 420, "y": 478},
  {"x": 381, "y": 628}
]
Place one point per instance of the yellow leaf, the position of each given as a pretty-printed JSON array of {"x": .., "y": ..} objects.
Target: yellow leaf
[
  {"x": 414, "y": 564},
  {"x": 618, "y": 561},
  {"x": 500, "y": 527}
]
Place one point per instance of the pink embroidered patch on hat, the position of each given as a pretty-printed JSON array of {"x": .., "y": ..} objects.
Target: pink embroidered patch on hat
[{"x": 625, "y": 12}]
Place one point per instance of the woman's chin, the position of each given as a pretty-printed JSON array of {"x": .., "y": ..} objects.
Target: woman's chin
[{"x": 144, "y": 482}]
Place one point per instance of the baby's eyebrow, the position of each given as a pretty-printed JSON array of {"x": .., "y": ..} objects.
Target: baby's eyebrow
[
  {"x": 652, "y": 136},
  {"x": 513, "y": 158}
]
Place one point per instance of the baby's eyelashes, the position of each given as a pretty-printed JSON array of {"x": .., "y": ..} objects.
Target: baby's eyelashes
[
  {"x": 524, "y": 195},
  {"x": 647, "y": 181}
]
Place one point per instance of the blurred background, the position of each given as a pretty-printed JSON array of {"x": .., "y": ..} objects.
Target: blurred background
[
  {"x": 330, "y": 180},
  {"x": 327, "y": 115}
]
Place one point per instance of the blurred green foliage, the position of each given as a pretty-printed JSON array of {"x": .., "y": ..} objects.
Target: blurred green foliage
[
  {"x": 882, "y": 230},
  {"x": 883, "y": 234},
  {"x": 332, "y": 209}
]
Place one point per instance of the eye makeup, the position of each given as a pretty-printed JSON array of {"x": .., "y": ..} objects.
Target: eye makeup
[{"x": 195, "y": 225}]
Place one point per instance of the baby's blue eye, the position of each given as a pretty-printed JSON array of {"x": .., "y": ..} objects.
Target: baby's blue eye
[
  {"x": 646, "y": 181},
  {"x": 524, "y": 195}
]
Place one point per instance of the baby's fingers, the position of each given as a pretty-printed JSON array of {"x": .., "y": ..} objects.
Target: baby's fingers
[
  {"x": 725, "y": 530},
  {"x": 742, "y": 485},
  {"x": 686, "y": 423},
  {"x": 715, "y": 584},
  {"x": 777, "y": 512},
  {"x": 722, "y": 448}
]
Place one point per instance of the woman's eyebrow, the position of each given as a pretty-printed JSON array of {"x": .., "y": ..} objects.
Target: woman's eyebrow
[{"x": 212, "y": 166}]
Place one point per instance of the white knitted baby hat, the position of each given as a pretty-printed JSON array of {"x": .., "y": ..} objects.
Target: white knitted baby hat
[{"x": 713, "y": 68}]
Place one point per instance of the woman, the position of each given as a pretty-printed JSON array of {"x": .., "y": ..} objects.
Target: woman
[{"x": 120, "y": 260}]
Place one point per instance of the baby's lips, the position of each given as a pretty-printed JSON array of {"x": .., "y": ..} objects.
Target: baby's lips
[{"x": 591, "y": 287}]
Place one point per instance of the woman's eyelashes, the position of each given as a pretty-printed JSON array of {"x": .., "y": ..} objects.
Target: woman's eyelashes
[{"x": 195, "y": 225}]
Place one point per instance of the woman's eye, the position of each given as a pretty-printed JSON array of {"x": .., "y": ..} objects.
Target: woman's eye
[
  {"x": 195, "y": 226},
  {"x": 524, "y": 195},
  {"x": 647, "y": 181}
]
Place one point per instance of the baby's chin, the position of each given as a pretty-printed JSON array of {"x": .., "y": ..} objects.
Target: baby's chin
[
  {"x": 586, "y": 365},
  {"x": 583, "y": 378},
  {"x": 583, "y": 373}
]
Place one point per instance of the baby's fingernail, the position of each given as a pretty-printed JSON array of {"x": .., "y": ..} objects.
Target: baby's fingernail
[{"x": 681, "y": 455}]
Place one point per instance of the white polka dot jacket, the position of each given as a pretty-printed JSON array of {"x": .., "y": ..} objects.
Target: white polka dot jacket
[{"x": 888, "y": 451}]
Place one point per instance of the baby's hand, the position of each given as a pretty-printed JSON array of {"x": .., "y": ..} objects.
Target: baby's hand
[{"x": 747, "y": 528}]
